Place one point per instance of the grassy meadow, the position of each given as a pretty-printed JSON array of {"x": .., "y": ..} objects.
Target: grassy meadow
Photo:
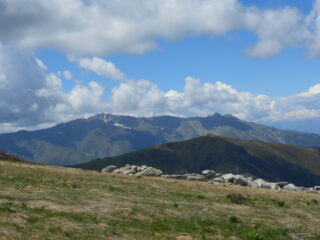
[{"x": 41, "y": 202}]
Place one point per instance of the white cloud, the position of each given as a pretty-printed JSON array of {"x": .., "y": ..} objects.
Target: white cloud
[
  {"x": 141, "y": 97},
  {"x": 101, "y": 67},
  {"x": 3, "y": 80},
  {"x": 86, "y": 99},
  {"x": 202, "y": 99},
  {"x": 276, "y": 29},
  {"x": 67, "y": 75},
  {"x": 41, "y": 64},
  {"x": 313, "y": 90},
  {"x": 100, "y": 28},
  {"x": 31, "y": 98},
  {"x": 313, "y": 24}
]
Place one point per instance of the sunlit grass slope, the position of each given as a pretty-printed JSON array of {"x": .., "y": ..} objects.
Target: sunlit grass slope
[{"x": 41, "y": 202}]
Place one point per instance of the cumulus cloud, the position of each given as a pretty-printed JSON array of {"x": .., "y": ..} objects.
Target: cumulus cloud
[
  {"x": 29, "y": 96},
  {"x": 100, "y": 28},
  {"x": 276, "y": 29},
  {"x": 140, "y": 97},
  {"x": 202, "y": 99},
  {"x": 101, "y": 67},
  {"x": 313, "y": 24},
  {"x": 21, "y": 77},
  {"x": 67, "y": 75}
]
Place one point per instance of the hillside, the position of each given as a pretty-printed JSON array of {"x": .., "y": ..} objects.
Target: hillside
[
  {"x": 41, "y": 202},
  {"x": 274, "y": 162},
  {"x": 106, "y": 135},
  {"x": 10, "y": 158}
]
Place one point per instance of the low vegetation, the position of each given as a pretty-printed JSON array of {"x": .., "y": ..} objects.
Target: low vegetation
[{"x": 40, "y": 202}]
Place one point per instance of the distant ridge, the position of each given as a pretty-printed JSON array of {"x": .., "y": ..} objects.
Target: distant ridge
[
  {"x": 106, "y": 135},
  {"x": 271, "y": 161}
]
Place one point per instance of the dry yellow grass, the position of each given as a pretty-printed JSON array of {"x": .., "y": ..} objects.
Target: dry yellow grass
[{"x": 42, "y": 202}]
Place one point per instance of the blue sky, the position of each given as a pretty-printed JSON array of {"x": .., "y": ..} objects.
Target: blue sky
[
  {"x": 208, "y": 58},
  {"x": 257, "y": 60}
]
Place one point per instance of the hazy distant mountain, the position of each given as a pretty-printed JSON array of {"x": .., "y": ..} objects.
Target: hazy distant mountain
[
  {"x": 271, "y": 161},
  {"x": 106, "y": 135}
]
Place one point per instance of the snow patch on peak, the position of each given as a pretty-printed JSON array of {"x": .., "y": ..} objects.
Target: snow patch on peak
[
  {"x": 121, "y": 125},
  {"x": 107, "y": 118}
]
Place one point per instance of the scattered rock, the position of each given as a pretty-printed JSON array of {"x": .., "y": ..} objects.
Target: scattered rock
[
  {"x": 109, "y": 169},
  {"x": 240, "y": 180},
  {"x": 311, "y": 190},
  {"x": 259, "y": 182},
  {"x": 267, "y": 185},
  {"x": 151, "y": 172},
  {"x": 251, "y": 179},
  {"x": 229, "y": 177},
  {"x": 138, "y": 170},
  {"x": 195, "y": 177},
  {"x": 209, "y": 174},
  {"x": 128, "y": 172},
  {"x": 282, "y": 184},
  {"x": 117, "y": 171},
  {"x": 290, "y": 187},
  {"x": 174, "y": 176},
  {"x": 218, "y": 180},
  {"x": 252, "y": 184},
  {"x": 134, "y": 167},
  {"x": 143, "y": 167},
  {"x": 273, "y": 186}
]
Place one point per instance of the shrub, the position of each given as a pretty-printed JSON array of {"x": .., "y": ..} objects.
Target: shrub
[
  {"x": 236, "y": 198},
  {"x": 233, "y": 219},
  {"x": 200, "y": 197},
  {"x": 280, "y": 203},
  {"x": 312, "y": 202},
  {"x": 253, "y": 236}
]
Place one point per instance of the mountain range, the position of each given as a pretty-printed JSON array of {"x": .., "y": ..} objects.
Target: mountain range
[
  {"x": 106, "y": 135},
  {"x": 271, "y": 161}
]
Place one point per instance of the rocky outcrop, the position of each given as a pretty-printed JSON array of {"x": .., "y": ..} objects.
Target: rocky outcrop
[
  {"x": 210, "y": 176},
  {"x": 150, "y": 172},
  {"x": 195, "y": 177},
  {"x": 109, "y": 168},
  {"x": 143, "y": 170},
  {"x": 236, "y": 179}
]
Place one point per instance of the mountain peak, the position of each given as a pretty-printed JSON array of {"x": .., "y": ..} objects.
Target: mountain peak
[{"x": 107, "y": 134}]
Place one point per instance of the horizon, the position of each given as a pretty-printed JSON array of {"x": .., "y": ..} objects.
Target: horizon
[
  {"x": 158, "y": 116},
  {"x": 65, "y": 60}
]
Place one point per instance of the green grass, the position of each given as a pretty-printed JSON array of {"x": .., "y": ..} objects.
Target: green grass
[{"x": 39, "y": 202}]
